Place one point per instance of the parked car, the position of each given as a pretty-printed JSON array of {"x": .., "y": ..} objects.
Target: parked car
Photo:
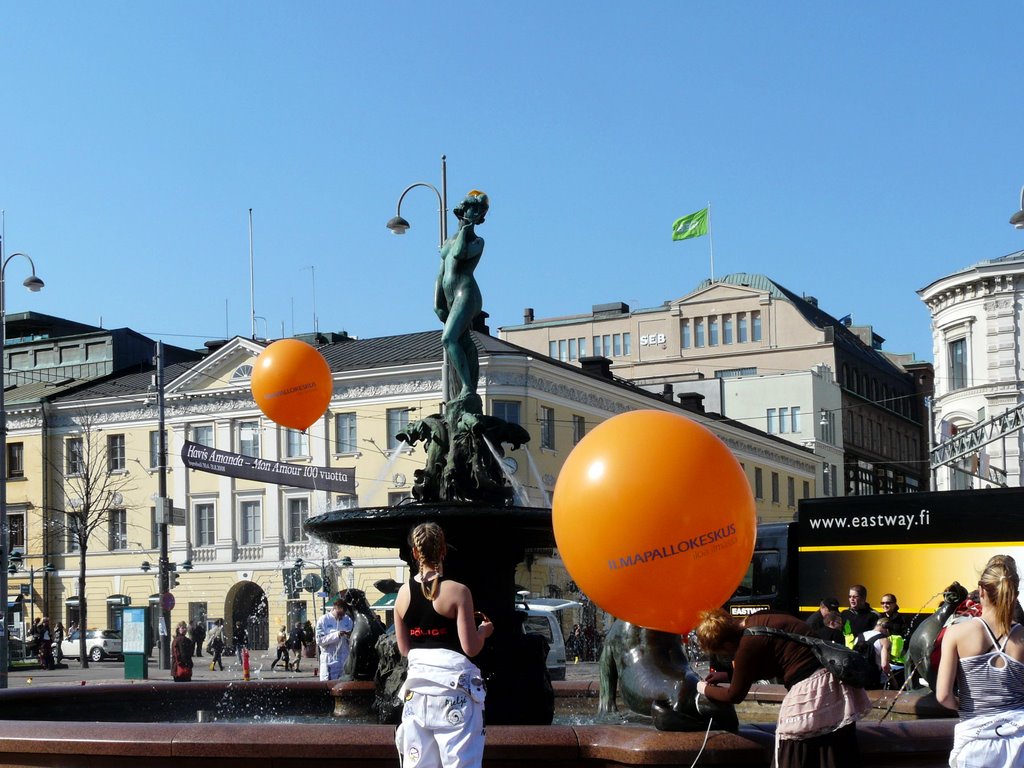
[
  {"x": 542, "y": 619},
  {"x": 100, "y": 644}
]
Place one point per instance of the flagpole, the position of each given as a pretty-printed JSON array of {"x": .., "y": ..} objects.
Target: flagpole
[{"x": 711, "y": 243}]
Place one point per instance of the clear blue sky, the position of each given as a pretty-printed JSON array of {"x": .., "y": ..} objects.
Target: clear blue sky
[{"x": 854, "y": 152}]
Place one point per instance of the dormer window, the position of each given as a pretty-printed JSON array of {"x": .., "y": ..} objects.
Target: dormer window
[{"x": 242, "y": 372}]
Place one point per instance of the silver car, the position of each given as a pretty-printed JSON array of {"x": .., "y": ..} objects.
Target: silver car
[{"x": 100, "y": 644}]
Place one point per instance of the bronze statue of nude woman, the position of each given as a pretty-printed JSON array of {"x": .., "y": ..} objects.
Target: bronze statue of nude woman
[{"x": 457, "y": 297}]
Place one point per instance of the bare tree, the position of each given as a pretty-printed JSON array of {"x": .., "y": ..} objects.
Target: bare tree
[{"x": 91, "y": 501}]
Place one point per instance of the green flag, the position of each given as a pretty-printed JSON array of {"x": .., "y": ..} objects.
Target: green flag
[{"x": 694, "y": 225}]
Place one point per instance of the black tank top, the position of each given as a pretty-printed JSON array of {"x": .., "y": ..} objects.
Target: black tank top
[{"x": 428, "y": 628}]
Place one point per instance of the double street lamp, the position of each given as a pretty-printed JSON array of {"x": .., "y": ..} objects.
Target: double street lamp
[{"x": 34, "y": 284}]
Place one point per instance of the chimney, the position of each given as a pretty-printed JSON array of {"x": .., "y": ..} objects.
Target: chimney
[
  {"x": 527, "y": 315},
  {"x": 692, "y": 401},
  {"x": 480, "y": 323},
  {"x": 597, "y": 366},
  {"x": 667, "y": 392}
]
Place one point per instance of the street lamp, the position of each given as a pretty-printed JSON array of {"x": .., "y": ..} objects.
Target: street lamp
[
  {"x": 1018, "y": 218},
  {"x": 16, "y": 563},
  {"x": 34, "y": 284},
  {"x": 400, "y": 226}
]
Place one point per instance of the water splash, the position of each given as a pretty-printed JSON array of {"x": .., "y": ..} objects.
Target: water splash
[
  {"x": 522, "y": 496},
  {"x": 383, "y": 478},
  {"x": 536, "y": 476}
]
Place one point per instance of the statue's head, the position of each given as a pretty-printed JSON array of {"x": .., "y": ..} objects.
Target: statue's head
[{"x": 474, "y": 200}]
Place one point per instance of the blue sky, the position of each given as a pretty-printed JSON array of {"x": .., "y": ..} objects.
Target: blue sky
[{"x": 854, "y": 152}]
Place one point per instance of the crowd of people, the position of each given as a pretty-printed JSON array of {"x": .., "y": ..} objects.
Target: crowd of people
[{"x": 981, "y": 672}]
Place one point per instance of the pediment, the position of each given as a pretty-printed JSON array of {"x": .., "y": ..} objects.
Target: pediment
[
  {"x": 227, "y": 369},
  {"x": 719, "y": 292}
]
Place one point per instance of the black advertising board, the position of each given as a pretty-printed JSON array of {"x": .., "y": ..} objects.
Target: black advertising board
[{"x": 205, "y": 459}]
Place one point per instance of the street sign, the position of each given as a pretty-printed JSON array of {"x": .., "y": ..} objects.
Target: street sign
[
  {"x": 311, "y": 582},
  {"x": 24, "y": 589},
  {"x": 167, "y": 601}
]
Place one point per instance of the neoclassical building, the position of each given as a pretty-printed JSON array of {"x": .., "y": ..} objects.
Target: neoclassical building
[
  {"x": 976, "y": 319},
  {"x": 240, "y": 534}
]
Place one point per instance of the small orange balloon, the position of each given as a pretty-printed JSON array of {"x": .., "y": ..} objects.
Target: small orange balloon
[
  {"x": 292, "y": 383},
  {"x": 654, "y": 519}
]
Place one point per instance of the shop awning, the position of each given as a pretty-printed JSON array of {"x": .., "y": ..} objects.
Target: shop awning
[
  {"x": 386, "y": 602},
  {"x": 72, "y": 601},
  {"x": 119, "y": 600}
]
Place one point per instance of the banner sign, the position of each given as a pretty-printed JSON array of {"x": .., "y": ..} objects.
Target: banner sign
[{"x": 205, "y": 459}]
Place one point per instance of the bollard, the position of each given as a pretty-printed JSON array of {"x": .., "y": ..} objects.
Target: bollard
[{"x": 245, "y": 663}]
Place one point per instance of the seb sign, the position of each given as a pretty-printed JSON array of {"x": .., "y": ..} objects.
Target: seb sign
[{"x": 652, "y": 340}]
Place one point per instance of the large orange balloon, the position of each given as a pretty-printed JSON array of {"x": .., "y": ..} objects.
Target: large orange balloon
[
  {"x": 292, "y": 383},
  {"x": 654, "y": 519}
]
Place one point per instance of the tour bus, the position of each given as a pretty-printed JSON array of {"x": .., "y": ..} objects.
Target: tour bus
[{"x": 913, "y": 545}]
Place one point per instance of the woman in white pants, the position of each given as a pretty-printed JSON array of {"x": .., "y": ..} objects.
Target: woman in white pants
[{"x": 443, "y": 717}]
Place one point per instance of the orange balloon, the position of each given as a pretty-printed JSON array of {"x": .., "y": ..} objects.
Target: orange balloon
[
  {"x": 292, "y": 383},
  {"x": 654, "y": 519}
]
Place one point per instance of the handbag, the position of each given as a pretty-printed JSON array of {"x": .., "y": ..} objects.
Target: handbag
[{"x": 846, "y": 665}]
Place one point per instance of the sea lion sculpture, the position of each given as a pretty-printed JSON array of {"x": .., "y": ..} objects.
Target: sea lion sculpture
[
  {"x": 367, "y": 628},
  {"x": 921, "y": 645},
  {"x": 650, "y": 669}
]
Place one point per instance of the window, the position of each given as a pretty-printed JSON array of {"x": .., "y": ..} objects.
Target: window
[
  {"x": 758, "y": 483},
  {"x": 572, "y": 349},
  {"x": 775, "y": 487},
  {"x": 397, "y": 497},
  {"x": 583, "y": 346},
  {"x": 115, "y": 453},
  {"x": 15, "y": 460},
  {"x": 685, "y": 333},
  {"x": 712, "y": 331},
  {"x": 249, "y": 438},
  {"x": 597, "y": 346},
  {"x": 296, "y": 444},
  {"x": 346, "y": 501},
  {"x": 794, "y": 418},
  {"x": 251, "y": 518},
  {"x": 957, "y": 364},
  {"x": 606, "y": 345},
  {"x": 205, "y": 532},
  {"x": 727, "y": 329},
  {"x": 741, "y": 328},
  {"x": 807, "y": 490},
  {"x": 698, "y": 332},
  {"x": 771, "y": 421},
  {"x": 506, "y": 410},
  {"x": 398, "y": 420},
  {"x": 117, "y": 529},
  {"x": 547, "y": 427},
  {"x": 553, "y": 349},
  {"x": 203, "y": 434},
  {"x": 298, "y": 511},
  {"x": 617, "y": 345},
  {"x": 755, "y": 326},
  {"x": 627, "y": 344},
  {"x": 73, "y": 452},
  {"x": 154, "y": 448},
  {"x": 345, "y": 433},
  {"x": 71, "y": 524},
  {"x": 579, "y": 428},
  {"x": 16, "y": 530},
  {"x": 783, "y": 420},
  {"x": 563, "y": 350},
  {"x": 790, "y": 492}
]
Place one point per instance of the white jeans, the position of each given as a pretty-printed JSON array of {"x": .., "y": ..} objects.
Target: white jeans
[{"x": 441, "y": 731}]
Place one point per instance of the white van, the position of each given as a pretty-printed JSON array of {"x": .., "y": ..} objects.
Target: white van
[{"x": 542, "y": 619}]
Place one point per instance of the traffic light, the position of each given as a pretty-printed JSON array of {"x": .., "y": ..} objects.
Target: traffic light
[
  {"x": 172, "y": 580},
  {"x": 292, "y": 583}
]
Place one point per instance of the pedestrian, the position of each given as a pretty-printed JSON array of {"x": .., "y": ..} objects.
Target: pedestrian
[
  {"x": 859, "y": 617},
  {"x": 215, "y": 644},
  {"x": 832, "y": 629},
  {"x": 984, "y": 656},
  {"x": 817, "y": 719},
  {"x": 182, "y": 651},
  {"x": 199, "y": 634},
  {"x": 332, "y": 635},
  {"x": 282, "y": 650},
  {"x": 436, "y": 628},
  {"x": 817, "y": 619},
  {"x": 45, "y": 654},
  {"x": 295, "y": 645},
  {"x": 58, "y": 637},
  {"x": 309, "y": 644},
  {"x": 240, "y": 640}
]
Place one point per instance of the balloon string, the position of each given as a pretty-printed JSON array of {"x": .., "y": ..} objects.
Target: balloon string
[{"x": 701, "y": 750}]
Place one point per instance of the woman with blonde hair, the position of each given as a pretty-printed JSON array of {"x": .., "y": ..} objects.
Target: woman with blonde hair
[
  {"x": 443, "y": 716},
  {"x": 817, "y": 719},
  {"x": 984, "y": 656}
]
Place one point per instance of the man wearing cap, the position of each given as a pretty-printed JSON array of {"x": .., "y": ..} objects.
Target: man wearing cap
[{"x": 817, "y": 619}]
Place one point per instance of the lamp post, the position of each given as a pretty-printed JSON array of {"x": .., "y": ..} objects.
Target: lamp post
[
  {"x": 400, "y": 226},
  {"x": 34, "y": 284},
  {"x": 13, "y": 568},
  {"x": 1017, "y": 220}
]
